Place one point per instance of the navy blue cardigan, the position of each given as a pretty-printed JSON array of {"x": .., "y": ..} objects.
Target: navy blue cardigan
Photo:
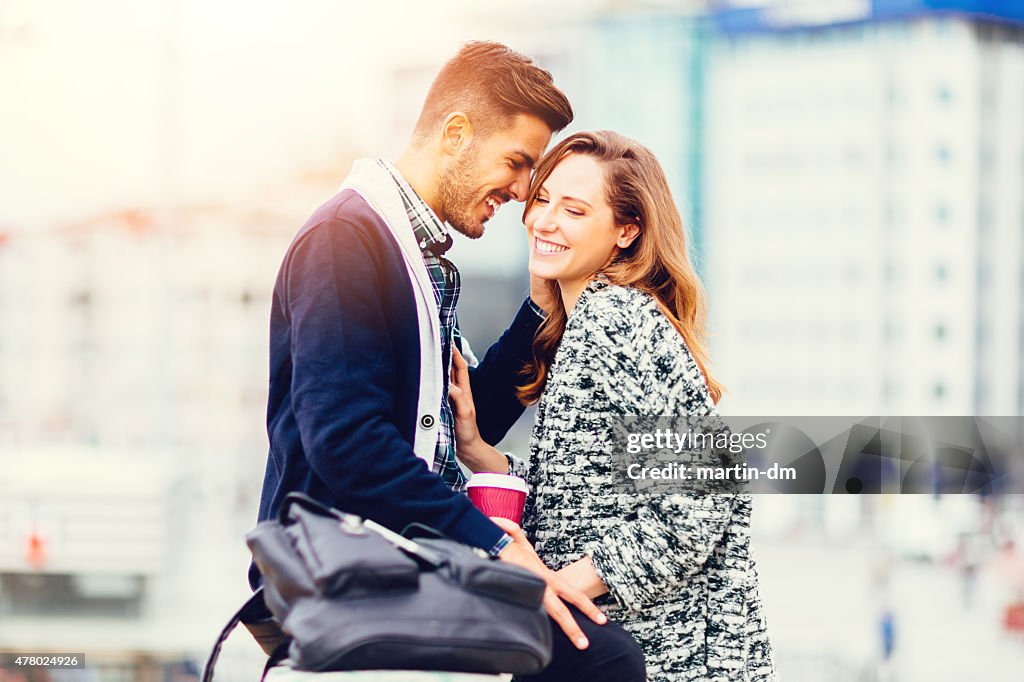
[{"x": 344, "y": 380}]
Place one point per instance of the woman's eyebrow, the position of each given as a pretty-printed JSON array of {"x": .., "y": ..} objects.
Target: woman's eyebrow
[
  {"x": 544, "y": 189},
  {"x": 578, "y": 200}
]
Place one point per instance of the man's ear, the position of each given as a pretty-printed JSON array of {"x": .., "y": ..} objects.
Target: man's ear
[
  {"x": 456, "y": 133},
  {"x": 627, "y": 234}
]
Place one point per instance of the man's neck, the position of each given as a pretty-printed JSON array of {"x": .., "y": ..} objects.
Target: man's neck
[{"x": 422, "y": 175}]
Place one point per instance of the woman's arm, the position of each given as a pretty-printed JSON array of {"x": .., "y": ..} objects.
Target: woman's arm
[{"x": 644, "y": 368}]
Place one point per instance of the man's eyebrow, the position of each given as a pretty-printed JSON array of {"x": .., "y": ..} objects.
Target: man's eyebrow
[{"x": 525, "y": 158}]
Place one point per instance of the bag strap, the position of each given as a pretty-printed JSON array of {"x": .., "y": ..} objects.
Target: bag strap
[
  {"x": 421, "y": 530},
  {"x": 415, "y": 550},
  {"x": 255, "y": 600},
  {"x": 305, "y": 501}
]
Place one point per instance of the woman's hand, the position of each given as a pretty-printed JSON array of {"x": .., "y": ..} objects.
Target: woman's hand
[
  {"x": 582, "y": 575},
  {"x": 521, "y": 553},
  {"x": 470, "y": 447}
]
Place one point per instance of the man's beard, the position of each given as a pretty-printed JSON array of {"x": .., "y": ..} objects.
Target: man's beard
[{"x": 458, "y": 198}]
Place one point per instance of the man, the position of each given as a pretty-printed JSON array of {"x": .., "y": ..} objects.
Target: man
[{"x": 363, "y": 320}]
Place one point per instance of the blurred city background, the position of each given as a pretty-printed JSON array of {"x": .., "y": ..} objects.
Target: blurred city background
[{"x": 851, "y": 174}]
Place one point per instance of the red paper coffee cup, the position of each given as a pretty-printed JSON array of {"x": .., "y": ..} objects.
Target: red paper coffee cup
[{"x": 498, "y": 495}]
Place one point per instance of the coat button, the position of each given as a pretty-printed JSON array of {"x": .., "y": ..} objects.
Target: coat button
[{"x": 427, "y": 421}]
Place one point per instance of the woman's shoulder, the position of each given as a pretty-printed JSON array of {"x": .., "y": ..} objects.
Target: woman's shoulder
[
  {"x": 602, "y": 292},
  {"x": 620, "y": 309},
  {"x": 631, "y": 332}
]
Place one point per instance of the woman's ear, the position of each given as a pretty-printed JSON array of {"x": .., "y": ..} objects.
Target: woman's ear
[{"x": 627, "y": 234}]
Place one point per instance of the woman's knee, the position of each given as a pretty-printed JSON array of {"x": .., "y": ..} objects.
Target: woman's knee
[
  {"x": 621, "y": 653},
  {"x": 613, "y": 655}
]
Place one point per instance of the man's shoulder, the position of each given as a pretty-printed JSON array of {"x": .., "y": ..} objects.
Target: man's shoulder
[
  {"x": 347, "y": 219},
  {"x": 345, "y": 210}
]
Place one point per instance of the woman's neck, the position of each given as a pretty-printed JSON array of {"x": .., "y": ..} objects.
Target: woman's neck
[{"x": 571, "y": 291}]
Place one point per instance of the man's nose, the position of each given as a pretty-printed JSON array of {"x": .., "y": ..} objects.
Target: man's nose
[{"x": 520, "y": 187}]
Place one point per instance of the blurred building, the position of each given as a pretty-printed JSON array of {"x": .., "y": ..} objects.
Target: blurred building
[
  {"x": 122, "y": 334},
  {"x": 849, "y": 174},
  {"x": 133, "y": 355},
  {"x": 863, "y": 207},
  {"x": 643, "y": 76}
]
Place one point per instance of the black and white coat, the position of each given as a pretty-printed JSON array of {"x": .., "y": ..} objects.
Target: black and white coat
[{"x": 679, "y": 568}]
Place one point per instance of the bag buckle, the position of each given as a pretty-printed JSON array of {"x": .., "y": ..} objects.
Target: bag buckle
[{"x": 352, "y": 525}]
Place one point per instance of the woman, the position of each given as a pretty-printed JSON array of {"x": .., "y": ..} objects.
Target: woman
[{"x": 625, "y": 338}]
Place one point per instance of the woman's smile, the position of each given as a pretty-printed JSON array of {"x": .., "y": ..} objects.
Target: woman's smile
[{"x": 545, "y": 248}]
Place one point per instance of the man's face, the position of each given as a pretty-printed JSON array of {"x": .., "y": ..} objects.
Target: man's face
[{"x": 490, "y": 171}]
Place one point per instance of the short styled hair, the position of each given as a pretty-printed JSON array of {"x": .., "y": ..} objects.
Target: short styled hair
[{"x": 491, "y": 83}]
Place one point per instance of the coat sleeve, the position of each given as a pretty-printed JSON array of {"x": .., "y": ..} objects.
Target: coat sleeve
[
  {"x": 495, "y": 378},
  {"x": 647, "y": 371},
  {"x": 344, "y": 383}
]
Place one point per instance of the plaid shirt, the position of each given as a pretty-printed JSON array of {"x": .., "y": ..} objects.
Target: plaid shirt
[{"x": 433, "y": 238}]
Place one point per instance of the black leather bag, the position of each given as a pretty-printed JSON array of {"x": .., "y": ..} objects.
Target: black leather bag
[{"x": 340, "y": 593}]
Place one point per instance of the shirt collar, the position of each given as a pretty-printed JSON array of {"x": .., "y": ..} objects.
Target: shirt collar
[{"x": 431, "y": 234}]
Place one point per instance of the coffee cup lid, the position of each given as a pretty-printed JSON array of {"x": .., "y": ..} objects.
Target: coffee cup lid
[{"x": 490, "y": 480}]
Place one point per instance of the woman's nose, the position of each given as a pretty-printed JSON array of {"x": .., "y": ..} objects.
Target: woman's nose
[{"x": 544, "y": 221}]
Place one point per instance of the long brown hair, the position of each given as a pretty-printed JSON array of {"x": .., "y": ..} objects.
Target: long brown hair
[{"x": 656, "y": 262}]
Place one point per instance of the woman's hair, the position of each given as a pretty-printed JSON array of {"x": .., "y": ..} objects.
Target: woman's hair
[{"x": 656, "y": 262}]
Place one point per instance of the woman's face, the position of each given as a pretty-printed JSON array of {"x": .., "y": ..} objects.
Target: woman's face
[{"x": 571, "y": 226}]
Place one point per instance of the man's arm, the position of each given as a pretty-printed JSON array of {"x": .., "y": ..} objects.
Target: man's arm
[
  {"x": 495, "y": 379},
  {"x": 343, "y": 388}
]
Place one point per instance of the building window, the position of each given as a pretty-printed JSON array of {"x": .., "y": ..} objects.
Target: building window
[
  {"x": 939, "y": 390},
  {"x": 34, "y": 594},
  {"x": 894, "y": 214},
  {"x": 986, "y": 157},
  {"x": 891, "y": 330},
  {"x": 941, "y": 273},
  {"x": 894, "y": 154},
  {"x": 985, "y": 221},
  {"x": 892, "y": 96},
  {"x": 890, "y": 389},
  {"x": 940, "y": 332}
]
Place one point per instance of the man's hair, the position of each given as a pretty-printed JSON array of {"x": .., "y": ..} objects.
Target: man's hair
[{"x": 491, "y": 83}]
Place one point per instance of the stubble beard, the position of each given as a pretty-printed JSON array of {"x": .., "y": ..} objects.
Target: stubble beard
[{"x": 458, "y": 198}]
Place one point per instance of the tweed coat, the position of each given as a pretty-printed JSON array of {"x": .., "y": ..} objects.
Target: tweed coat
[{"x": 679, "y": 568}]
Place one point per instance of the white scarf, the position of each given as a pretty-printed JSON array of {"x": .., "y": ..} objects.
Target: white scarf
[{"x": 376, "y": 186}]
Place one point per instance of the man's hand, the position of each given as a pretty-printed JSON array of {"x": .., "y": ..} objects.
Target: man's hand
[{"x": 521, "y": 553}]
